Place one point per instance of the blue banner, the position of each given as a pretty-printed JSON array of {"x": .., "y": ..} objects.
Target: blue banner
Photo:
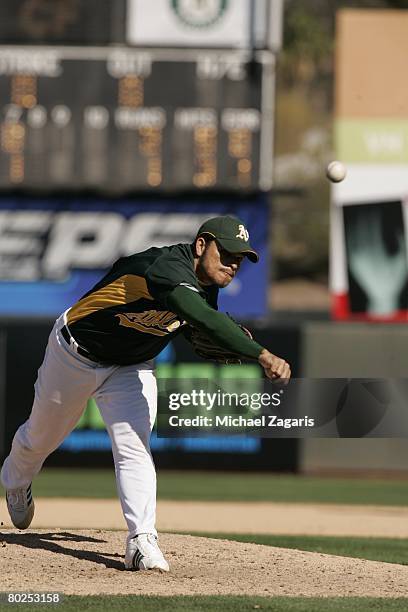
[{"x": 53, "y": 250}]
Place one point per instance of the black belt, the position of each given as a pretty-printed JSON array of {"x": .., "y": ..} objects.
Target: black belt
[{"x": 79, "y": 349}]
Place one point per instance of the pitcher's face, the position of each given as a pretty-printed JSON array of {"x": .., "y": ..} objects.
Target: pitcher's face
[{"x": 216, "y": 266}]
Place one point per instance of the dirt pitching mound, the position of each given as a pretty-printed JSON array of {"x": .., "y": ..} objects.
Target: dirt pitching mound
[{"x": 90, "y": 562}]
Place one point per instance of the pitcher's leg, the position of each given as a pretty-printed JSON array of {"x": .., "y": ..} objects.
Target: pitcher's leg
[
  {"x": 128, "y": 404},
  {"x": 62, "y": 389}
]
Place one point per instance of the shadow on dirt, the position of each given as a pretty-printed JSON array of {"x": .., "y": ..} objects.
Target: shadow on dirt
[{"x": 54, "y": 543}]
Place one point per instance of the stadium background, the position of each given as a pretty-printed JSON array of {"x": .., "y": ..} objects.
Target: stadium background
[{"x": 115, "y": 137}]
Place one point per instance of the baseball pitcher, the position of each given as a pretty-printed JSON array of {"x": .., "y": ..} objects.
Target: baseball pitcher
[{"x": 104, "y": 346}]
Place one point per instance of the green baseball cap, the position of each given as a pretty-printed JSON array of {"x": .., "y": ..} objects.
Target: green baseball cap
[{"x": 231, "y": 233}]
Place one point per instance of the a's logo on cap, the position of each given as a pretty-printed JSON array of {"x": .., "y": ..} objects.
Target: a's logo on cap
[{"x": 243, "y": 233}]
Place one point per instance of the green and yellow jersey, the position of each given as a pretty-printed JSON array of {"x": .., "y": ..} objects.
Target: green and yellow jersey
[
  {"x": 124, "y": 318},
  {"x": 143, "y": 302}
]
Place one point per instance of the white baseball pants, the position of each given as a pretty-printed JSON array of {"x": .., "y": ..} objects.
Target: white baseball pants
[{"x": 127, "y": 399}]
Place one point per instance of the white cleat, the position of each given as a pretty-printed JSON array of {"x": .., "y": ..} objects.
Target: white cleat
[
  {"x": 20, "y": 505},
  {"x": 143, "y": 553}
]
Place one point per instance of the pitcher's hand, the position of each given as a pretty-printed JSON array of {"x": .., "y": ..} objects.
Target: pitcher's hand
[{"x": 274, "y": 367}]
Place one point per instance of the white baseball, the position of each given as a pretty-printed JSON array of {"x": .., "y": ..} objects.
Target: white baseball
[{"x": 336, "y": 171}]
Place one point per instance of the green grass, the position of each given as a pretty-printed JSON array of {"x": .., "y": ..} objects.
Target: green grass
[
  {"x": 210, "y": 486},
  {"x": 144, "y": 603},
  {"x": 281, "y": 488},
  {"x": 390, "y": 550}
]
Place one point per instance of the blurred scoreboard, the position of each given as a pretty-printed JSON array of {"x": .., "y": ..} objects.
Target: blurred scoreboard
[
  {"x": 90, "y": 22},
  {"x": 123, "y": 120}
]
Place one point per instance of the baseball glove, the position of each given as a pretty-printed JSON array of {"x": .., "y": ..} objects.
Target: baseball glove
[{"x": 206, "y": 348}]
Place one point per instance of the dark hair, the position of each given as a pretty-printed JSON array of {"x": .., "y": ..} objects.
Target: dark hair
[{"x": 207, "y": 237}]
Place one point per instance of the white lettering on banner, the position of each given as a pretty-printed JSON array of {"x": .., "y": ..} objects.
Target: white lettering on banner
[
  {"x": 154, "y": 229},
  {"x": 85, "y": 240},
  {"x": 21, "y": 243},
  {"x": 20, "y": 231},
  {"x": 37, "y": 245}
]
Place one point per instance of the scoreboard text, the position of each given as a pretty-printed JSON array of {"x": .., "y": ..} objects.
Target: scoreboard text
[{"x": 121, "y": 120}]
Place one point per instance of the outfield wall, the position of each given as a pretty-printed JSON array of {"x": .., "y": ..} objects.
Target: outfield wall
[
  {"x": 89, "y": 444},
  {"x": 354, "y": 350},
  {"x": 318, "y": 349}
]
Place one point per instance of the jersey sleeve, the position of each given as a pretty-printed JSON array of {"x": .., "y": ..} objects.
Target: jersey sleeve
[{"x": 191, "y": 306}]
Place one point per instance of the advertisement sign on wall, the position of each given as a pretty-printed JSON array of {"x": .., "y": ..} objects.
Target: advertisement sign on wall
[
  {"x": 369, "y": 211},
  {"x": 89, "y": 443},
  {"x": 53, "y": 251},
  {"x": 369, "y": 260}
]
